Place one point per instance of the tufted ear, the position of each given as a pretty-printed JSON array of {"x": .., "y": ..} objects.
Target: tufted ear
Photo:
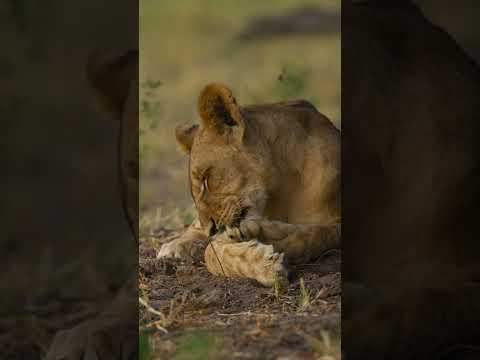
[
  {"x": 110, "y": 74},
  {"x": 219, "y": 111},
  {"x": 185, "y": 135}
]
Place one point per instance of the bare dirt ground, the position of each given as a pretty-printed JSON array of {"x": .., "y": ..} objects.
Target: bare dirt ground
[{"x": 191, "y": 314}]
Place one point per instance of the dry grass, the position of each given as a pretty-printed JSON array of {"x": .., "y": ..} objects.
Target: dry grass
[
  {"x": 304, "y": 299},
  {"x": 165, "y": 320}
]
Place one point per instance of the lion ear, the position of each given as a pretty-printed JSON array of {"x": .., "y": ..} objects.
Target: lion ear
[
  {"x": 219, "y": 111},
  {"x": 110, "y": 74},
  {"x": 185, "y": 135}
]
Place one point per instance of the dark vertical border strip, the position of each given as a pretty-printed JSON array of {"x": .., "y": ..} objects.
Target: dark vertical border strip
[{"x": 410, "y": 155}]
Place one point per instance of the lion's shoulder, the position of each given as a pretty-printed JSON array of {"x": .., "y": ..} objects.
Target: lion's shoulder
[
  {"x": 280, "y": 106},
  {"x": 290, "y": 115}
]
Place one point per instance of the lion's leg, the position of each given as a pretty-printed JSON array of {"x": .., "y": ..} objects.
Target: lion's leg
[
  {"x": 226, "y": 256},
  {"x": 182, "y": 246},
  {"x": 300, "y": 243}
]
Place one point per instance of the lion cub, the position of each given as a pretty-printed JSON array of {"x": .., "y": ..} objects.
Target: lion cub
[{"x": 271, "y": 173}]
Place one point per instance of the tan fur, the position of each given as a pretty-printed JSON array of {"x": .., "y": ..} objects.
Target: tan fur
[
  {"x": 271, "y": 170},
  {"x": 228, "y": 256}
]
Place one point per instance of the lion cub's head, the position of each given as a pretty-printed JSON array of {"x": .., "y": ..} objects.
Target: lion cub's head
[{"x": 227, "y": 163}]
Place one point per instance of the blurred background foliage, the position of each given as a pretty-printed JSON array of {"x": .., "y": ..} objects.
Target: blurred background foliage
[{"x": 248, "y": 46}]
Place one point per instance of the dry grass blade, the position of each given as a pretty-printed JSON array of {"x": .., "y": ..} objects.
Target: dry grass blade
[
  {"x": 304, "y": 300},
  {"x": 165, "y": 320},
  {"x": 149, "y": 308}
]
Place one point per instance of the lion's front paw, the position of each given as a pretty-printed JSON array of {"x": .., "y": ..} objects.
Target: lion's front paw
[
  {"x": 250, "y": 229},
  {"x": 231, "y": 255},
  {"x": 267, "y": 265},
  {"x": 271, "y": 270},
  {"x": 174, "y": 249},
  {"x": 266, "y": 230},
  {"x": 188, "y": 246}
]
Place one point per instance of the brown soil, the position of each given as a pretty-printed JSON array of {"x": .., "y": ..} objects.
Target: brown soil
[{"x": 246, "y": 320}]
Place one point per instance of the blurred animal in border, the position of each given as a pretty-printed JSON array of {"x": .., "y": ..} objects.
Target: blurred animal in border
[
  {"x": 113, "y": 334},
  {"x": 411, "y": 164}
]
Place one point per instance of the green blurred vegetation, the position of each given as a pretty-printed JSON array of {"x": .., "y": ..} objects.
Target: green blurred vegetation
[
  {"x": 144, "y": 347},
  {"x": 149, "y": 114},
  {"x": 198, "y": 345},
  {"x": 186, "y": 44},
  {"x": 293, "y": 82}
]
